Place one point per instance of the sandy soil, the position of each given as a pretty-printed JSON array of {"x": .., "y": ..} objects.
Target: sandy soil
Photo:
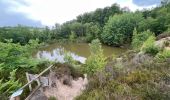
[{"x": 65, "y": 92}]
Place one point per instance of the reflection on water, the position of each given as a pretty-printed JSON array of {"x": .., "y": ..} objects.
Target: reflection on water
[
  {"x": 79, "y": 51},
  {"x": 58, "y": 55}
]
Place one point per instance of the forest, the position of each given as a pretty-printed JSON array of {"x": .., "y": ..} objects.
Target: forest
[{"x": 141, "y": 73}]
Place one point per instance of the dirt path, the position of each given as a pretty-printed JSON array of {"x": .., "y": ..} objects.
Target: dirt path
[{"x": 65, "y": 92}]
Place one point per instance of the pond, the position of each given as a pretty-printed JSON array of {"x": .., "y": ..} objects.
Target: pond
[{"x": 78, "y": 51}]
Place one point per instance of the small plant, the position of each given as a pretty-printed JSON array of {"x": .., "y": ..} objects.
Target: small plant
[
  {"x": 96, "y": 61},
  {"x": 149, "y": 46},
  {"x": 163, "y": 55},
  {"x": 139, "y": 38},
  {"x": 8, "y": 87},
  {"x": 68, "y": 58}
]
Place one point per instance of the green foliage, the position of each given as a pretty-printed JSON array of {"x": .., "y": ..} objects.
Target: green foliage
[
  {"x": 137, "y": 77},
  {"x": 149, "y": 46},
  {"x": 139, "y": 38},
  {"x": 68, "y": 58},
  {"x": 16, "y": 60},
  {"x": 100, "y": 16},
  {"x": 96, "y": 94},
  {"x": 157, "y": 20},
  {"x": 163, "y": 55},
  {"x": 119, "y": 28},
  {"x": 72, "y": 36},
  {"x": 23, "y": 34},
  {"x": 14, "y": 56},
  {"x": 168, "y": 30},
  {"x": 145, "y": 81},
  {"x": 7, "y": 87},
  {"x": 92, "y": 31},
  {"x": 96, "y": 61}
]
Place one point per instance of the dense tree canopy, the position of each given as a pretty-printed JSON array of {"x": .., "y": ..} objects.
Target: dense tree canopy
[{"x": 119, "y": 28}]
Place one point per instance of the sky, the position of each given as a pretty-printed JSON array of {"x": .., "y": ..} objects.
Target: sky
[{"x": 49, "y": 12}]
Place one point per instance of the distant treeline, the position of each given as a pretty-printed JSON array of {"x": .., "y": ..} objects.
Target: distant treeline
[{"x": 112, "y": 25}]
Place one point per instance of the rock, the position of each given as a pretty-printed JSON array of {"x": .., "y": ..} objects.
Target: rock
[{"x": 161, "y": 43}]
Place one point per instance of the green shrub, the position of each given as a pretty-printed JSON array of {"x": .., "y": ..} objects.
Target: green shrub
[
  {"x": 163, "y": 55},
  {"x": 72, "y": 36},
  {"x": 68, "y": 58},
  {"x": 7, "y": 87},
  {"x": 16, "y": 58},
  {"x": 139, "y": 77},
  {"x": 139, "y": 38},
  {"x": 149, "y": 46},
  {"x": 92, "y": 31},
  {"x": 96, "y": 60}
]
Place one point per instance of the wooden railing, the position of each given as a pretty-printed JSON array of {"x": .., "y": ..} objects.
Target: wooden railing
[{"x": 16, "y": 95}]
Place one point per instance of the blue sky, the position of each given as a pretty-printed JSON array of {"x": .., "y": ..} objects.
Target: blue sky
[
  {"x": 146, "y": 2},
  {"x": 49, "y": 12}
]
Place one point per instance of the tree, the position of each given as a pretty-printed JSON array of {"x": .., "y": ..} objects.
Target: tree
[
  {"x": 92, "y": 31},
  {"x": 119, "y": 28},
  {"x": 77, "y": 28}
]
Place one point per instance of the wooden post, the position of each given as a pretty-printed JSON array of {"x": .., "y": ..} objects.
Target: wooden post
[
  {"x": 28, "y": 79},
  {"x": 38, "y": 81}
]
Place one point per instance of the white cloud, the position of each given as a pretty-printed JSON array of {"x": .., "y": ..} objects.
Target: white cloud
[
  {"x": 50, "y": 12},
  {"x": 132, "y": 6}
]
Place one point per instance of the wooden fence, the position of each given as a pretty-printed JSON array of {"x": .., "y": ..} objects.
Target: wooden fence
[{"x": 41, "y": 81}]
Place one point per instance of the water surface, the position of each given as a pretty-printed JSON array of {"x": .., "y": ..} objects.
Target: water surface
[{"x": 79, "y": 51}]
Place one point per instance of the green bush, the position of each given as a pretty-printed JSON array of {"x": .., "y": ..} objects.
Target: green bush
[
  {"x": 139, "y": 38},
  {"x": 92, "y": 31},
  {"x": 7, "y": 87},
  {"x": 96, "y": 60},
  {"x": 72, "y": 36},
  {"x": 68, "y": 58},
  {"x": 119, "y": 28},
  {"x": 163, "y": 55},
  {"x": 16, "y": 58},
  {"x": 149, "y": 46}
]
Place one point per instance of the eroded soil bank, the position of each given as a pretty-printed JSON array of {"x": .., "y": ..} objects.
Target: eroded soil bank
[{"x": 65, "y": 84}]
